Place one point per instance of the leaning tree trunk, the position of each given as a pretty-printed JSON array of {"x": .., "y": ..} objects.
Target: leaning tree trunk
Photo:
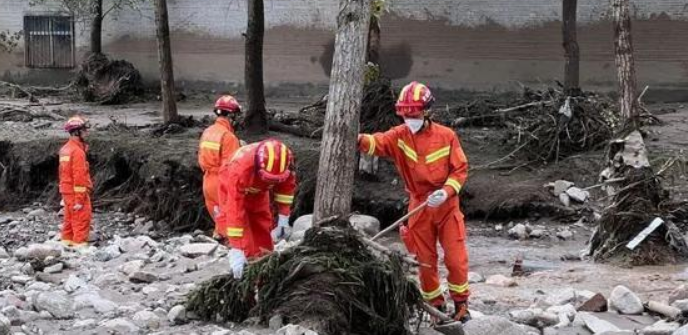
[
  {"x": 571, "y": 51},
  {"x": 97, "y": 27},
  {"x": 334, "y": 188},
  {"x": 256, "y": 120},
  {"x": 169, "y": 105},
  {"x": 625, "y": 64}
]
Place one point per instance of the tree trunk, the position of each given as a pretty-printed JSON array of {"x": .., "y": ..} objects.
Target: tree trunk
[
  {"x": 97, "y": 27},
  {"x": 256, "y": 119},
  {"x": 169, "y": 105},
  {"x": 334, "y": 188},
  {"x": 625, "y": 64},
  {"x": 571, "y": 51}
]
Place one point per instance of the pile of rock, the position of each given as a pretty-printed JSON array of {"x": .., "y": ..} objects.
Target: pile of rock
[{"x": 567, "y": 192}]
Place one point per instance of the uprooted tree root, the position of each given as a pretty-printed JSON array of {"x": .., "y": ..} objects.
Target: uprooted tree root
[
  {"x": 108, "y": 82},
  {"x": 377, "y": 113},
  {"x": 331, "y": 283}
]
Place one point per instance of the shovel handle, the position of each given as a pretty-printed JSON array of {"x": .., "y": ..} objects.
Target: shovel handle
[{"x": 400, "y": 221}]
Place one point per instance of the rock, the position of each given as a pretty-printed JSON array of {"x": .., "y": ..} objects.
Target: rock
[
  {"x": 295, "y": 330},
  {"x": 530, "y": 330},
  {"x": 3, "y": 253},
  {"x": 679, "y": 293},
  {"x": 561, "y": 297},
  {"x": 537, "y": 233},
  {"x": 106, "y": 254},
  {"x": 661, "y": 327},
  {"x": 194, "y": 250},
  {"x": 302, "y": 224},
  {"x": 565, "y": 234},
  {"x": 598, "y": 303},
  {"x": 21, "y": 279},
  {"x": 681, "y": 304},
  {"x": 681, "y": 331},
  {"x": 131, "y": 267},
  {"x": 55, "y": 303},
  {"x": 139, "y": 277},
  {"x": 474, "y": 277},
  {"x": 577, "y": 194},
  {"x": 492, "y": 325},
  {"x": 364, "y": 223},
  {"x": 88, "y": 323},
  {"x": 177, "y": 315},
  {"x": 499, "y": 227},
  {"x": 560, "y": 186},
  {"x": 29, "y": 317},
  {"x": 57, "y": 268},
  {"x": 92, "y": 299},
  {"x": 150, "y": 289},
  {"x": 121, "y": 325},
  {"x": 221, "y": 332},
  {"x": 36, "y": 212},
  {"x": 625, "y": 301},
  {"x": 143, "y": 227},
  {"x": 5, "y": 325},
  {"x": 276, "y": 322},
  {"x": 132, "y": 245},
  {"x": 524, "y": 316},
  {"x": 519, "y": 231},
  {"x": 27, "y": 269},
  {"x": 38, "y": 251},
  {"x": 501, "y": 281},
  {"x": 13, "y": 315},
  {"x": 595, "y": 324},
  {"x": 567, "y": 310},
  {"x": 74, "y": 283},
  {"x": 146, "y": 319},
  {"x": 107, "y": 279},
  {"x": 39, "y": 286},
  {"x": 565, "y": 199}
]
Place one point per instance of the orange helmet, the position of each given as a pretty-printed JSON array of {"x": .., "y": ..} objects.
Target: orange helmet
[
  {"x": 75, "y": 123},
  {"x": 273, "y": 159},
  {"x": 413, "y": 100},
  {"x": 226, "y": 104}
]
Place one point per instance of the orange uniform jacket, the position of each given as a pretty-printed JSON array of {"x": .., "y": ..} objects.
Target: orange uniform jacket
[
  {"x": 426, "y": 161},
  {"x": 218, "y": 144},
  {"x": 246, "y": 217},
  {"x": 75, "y": 187}
]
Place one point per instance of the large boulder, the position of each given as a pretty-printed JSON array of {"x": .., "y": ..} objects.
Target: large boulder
[
  {"x": 194, "y": 250},
  {"x": 55, "y": 303},
  {"x": 492, "y": 325},
  {"x": 38, "y": 251},
  {"x": 625, "y": 301},
  {"x": 146, "y": 319}
]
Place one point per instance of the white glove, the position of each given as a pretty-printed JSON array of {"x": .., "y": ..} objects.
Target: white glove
[
  {"x": 283, "y": 229},
  {"x": 78, "y": 207},
  {"x": 62, "y": 204},
  {"x": 237, "y": 260},
  {"x": 437, "y": 198},
  {"x": 216, "y": 211}
]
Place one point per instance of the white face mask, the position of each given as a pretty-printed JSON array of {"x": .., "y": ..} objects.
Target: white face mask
[{"x": 414, "y": 124}]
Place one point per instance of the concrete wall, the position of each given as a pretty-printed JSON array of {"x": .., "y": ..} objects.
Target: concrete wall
[{"x": 454, "y": 44}]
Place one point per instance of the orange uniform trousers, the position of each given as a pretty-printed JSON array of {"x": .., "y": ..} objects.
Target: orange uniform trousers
[
  {"x": 446, "y": 225},
  {"x": 77, "y": 224},
  {"x": 211, "y": 185}
]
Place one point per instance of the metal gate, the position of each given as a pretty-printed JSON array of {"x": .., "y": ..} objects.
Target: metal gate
[{"x": 49, "y": 41}]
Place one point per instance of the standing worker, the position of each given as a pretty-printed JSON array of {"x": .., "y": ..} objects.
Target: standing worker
[
  {"x": 246, "y": 184},
  {"x": 75, "y": 184},
  {"x": 218, "y": 144},
  {"x": 429, "y": 158}
]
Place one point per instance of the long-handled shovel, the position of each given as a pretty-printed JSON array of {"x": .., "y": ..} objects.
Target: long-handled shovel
[
  {"x": 400, "y": 221},
  {"x": 447, "y": 325}
]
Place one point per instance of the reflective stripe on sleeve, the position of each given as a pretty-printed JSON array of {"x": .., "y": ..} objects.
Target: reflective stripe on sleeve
[
  {"x": 80, "y": 189},
  {"x": 64, "y": 158},
  {"x": 371, "y": 144},
  {"x": 284, "y": 199},
  {"x": 235, "y": 232},
  {"x": 210, "y": 145},
  {"x": 454, "y": 184}
]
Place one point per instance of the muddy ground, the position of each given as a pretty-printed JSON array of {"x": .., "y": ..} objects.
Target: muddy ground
[{"x": 497, "y": 197}]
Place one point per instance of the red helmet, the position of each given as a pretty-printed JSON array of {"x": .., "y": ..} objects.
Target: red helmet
[
  {"x": 272, "y": 161},
  {"x": 75, "y": 123},
  {"x": 413, "y": 100},
  {"x": 227, "y": 104}
]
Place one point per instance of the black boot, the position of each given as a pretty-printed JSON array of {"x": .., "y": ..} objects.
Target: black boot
[{"x": 461, "y": 312}]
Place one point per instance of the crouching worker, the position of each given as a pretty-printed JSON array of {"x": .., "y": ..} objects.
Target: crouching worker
[
  {"x": 75, "y": 184},
  {"x": 257, "y": 174},
  {"x": 429, "y": 158}
]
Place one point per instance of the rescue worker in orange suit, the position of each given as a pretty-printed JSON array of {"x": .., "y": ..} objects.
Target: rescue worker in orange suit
[
  {"x": 218, "y": 144},
  {"x": 430, "y": 160},
  {"x": 256, "y": 173},
  {"x": 75, "y": 184}
]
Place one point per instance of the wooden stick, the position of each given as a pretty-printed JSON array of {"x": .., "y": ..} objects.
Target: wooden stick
[
  {"x": 400, "y": 221},
  {"x": 666, "y": 310},
  {"x": 530, "y": 104},
  {"x": 376, "y": 246},
  {"x": 435, "y": 312}
]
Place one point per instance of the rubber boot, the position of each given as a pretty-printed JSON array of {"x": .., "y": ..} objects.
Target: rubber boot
[{"x": 461, "y": 312}]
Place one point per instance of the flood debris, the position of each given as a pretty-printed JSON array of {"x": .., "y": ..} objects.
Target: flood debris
[{"x": 107, "y": 81}]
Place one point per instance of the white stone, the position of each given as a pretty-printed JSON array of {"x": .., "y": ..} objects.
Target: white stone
[
  {"x": 561, "y": 297},
  {"x": 21, "y": 279},
  {"x": 681, "y": 304},
  {"x": 492, "y": 325},
  {"x": 577, "y": 194},
  {"x": 295, "y": 330},
  {"x": 567, "y": 310},
  {"x": 625, "y": 301},
  {"x": 364, "y": 223},
  {"x": 565, "y": 199},
  {"x": 55, "y": 303},
  {"x": 121, "y": 325},
  {"x": 565, "y": 234},
  {"x": 36, "y": 212},
  {"x": 146, "y": 319},
  {"x": 681, "y": 331},
  {"x": 524, "y": 316},
  {"x": 474, "y": 277},
  {"x": 595, "y": 324},
  {"x": 85, "y": 323},
  {"x": 74, "y": 283},
  {"x": 661, "y": 327},
  {"x": 38, "y": 251},
  {"x": 679, "y": 293},
  {"x": 303, "y": 223},
  {"x": 108, "y": 253},
  {"x": 131, "y": 267},
  {"x": 3, "y": 253},
  {"x": 5, "y": 325},
  {"x": 519, "y": 231},
  {"x": 56, "y": 268},
  {"x": 560, "y": 186},
  {"x": 107, "y": 279},
  {"x": 177, "y": 315},
  {"x": 39, "y": 286},
  {"x": 194, "y": 250},
  {"x": 537, "y": 233},
  {"x": 150, "y": 289},
  {"x": 501, "y": 281}
]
